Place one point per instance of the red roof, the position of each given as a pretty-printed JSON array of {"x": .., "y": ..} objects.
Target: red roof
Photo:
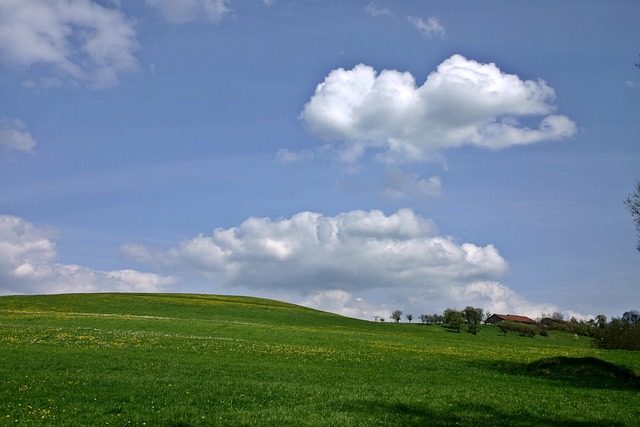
[{"x": 515, "y": 318}]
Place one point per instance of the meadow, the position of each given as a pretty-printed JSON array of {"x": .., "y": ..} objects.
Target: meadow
[{"x": 204, "y": 360}]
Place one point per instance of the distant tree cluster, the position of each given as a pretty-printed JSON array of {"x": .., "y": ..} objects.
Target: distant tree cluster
[
  {"x": 431, "y": 319},
  {"x": 621, "y": 333},
  {"x": 471, "y": 317},
  {"x": 556, "y": 322}
]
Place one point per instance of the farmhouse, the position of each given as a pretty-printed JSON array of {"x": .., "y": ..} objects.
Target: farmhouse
[{"x": 497, "y": 318}]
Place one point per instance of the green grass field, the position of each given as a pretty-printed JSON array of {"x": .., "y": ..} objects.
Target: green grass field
[{"x": 199, "y": 360}]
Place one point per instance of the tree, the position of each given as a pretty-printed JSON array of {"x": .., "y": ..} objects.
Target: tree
[
  {"x": 396, "y": 315},
  {"x": 454, "y": 318},
  {"x": 601, "y": 321},
  {"x": 425, "y": 318},
  {"x": 618, "y": 335},
  {"x": 473, "y": 316},
  {"x": 409, "y": 317},
  {"x": 633, "y": 205},
  {"x": 632, "y": 317}
]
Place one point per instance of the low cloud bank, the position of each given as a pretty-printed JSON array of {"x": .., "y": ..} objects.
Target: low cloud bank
[
  {"x": 28, "y": 266},
  {"x": 357, "y": 263}
]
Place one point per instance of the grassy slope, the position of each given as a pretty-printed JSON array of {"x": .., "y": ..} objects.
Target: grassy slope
[{"x": 178, "y": 360}]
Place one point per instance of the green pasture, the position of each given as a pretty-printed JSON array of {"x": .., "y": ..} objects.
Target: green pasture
[{"x": 201, "y": 360}]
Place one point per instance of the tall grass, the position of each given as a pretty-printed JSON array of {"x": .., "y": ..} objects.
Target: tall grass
[{"x": 189, "y": 360}]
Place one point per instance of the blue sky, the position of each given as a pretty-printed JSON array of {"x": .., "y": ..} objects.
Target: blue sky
[{"x": 356, "y": 157}]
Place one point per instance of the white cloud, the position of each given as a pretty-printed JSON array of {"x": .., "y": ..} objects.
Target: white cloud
[
  {"x": 372, "y": 9},
  {"x": 429, "y": 29},
  {"x": 81, "y": 39},
  {"x": 13, "y": 135},
  {"x": 333, "y": 301},
  {"x": 359, "y": 263},
  {"x": 184, "y": 11},
  {"x": 400, "y": 184},
  {"x": 497, "y": 298},
  {"x": 287, "y": 156},
  {"x": 491, "y": 296},
  {"x": 27, "y": 266},
  {"x": 463, "y": 102},
  {"x": 309, "y": 252}
]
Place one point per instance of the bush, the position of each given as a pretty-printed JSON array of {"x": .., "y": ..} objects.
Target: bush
[
  {"x": 522, "y": 329},
  {"x": 619, "y": 335}
]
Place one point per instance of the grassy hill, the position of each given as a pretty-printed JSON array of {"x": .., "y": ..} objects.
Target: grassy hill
[{"x": 189, "y": 360}]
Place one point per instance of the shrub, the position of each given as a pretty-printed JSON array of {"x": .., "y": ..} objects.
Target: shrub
[
  {"x": 522, "y": 329},
  {"x": 618, "y": 334}
]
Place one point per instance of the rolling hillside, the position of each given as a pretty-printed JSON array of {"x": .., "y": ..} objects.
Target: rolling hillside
[{"x": 181, "y": 360}]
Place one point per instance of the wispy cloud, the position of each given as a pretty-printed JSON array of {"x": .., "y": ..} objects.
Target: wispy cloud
[
  {"x": 429, "y": 28},
  {"x": 14, "y": 135},
  {"x": 287, "y": 156},
  {"x": 184, "y": 11},
  {"x": 374, "y": 10},
  {"x": 399, "y": 184},
  {"x": 81, "y": 39}
]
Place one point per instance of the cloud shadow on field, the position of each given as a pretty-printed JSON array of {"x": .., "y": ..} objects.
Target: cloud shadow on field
[
  {"x": 464, "y": 414},
  {"x": 583, "y": 372}
]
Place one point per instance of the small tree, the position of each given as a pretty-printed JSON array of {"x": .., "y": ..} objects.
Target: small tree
[
  {"x": 632, "y": 317},
  {"x": 633, "y": 204},
  {"x": 409, "y": 317},
  {"x": 396, "y": 315},
  {"x": 473, "y": 316},
  {"x": 454, "y": 318},
  {"x": 601, "y": 321},
  {"x": 424, "y": 318}
]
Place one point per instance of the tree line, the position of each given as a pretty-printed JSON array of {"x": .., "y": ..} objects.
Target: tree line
[
  {"x": 470, "y": 317},
  {"x": 619, "y": 333}
]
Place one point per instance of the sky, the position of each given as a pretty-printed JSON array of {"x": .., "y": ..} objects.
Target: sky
[{"x": 355, "y": 157}]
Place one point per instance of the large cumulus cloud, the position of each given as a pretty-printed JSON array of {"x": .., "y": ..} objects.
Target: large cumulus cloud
[
  {"x": 352, "y": 251},
  {"x": 28, "y": 265},
  {"x": 463, "y": 102},
  {"x": 357, "y": 263}
]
